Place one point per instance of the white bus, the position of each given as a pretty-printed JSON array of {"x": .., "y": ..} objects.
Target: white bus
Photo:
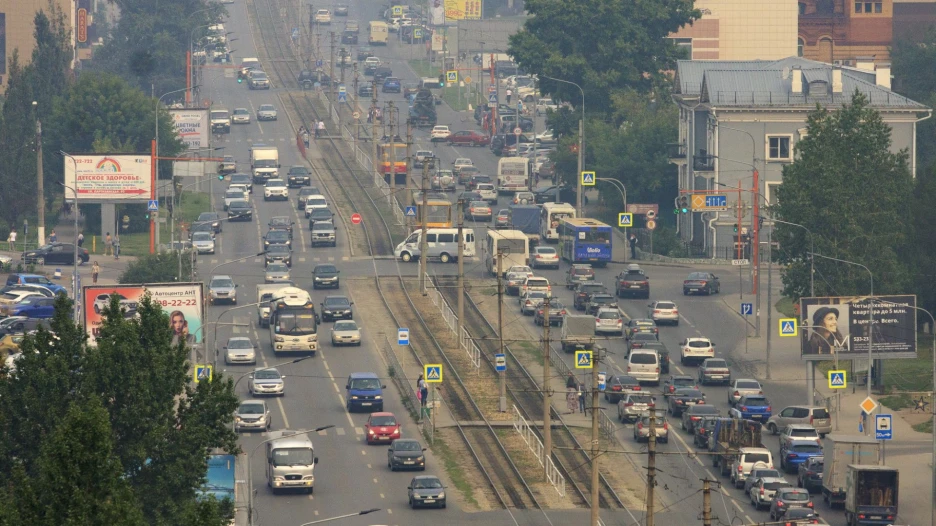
[
  {"x": 514, "y": 244},
  {"x": 441, "y": 243},
  {"x": 551, "y": 214},
  {"x": 513, "y": 174}
]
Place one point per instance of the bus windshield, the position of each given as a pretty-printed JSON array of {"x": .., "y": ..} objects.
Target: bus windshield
[{"x": 295, "y": 323}]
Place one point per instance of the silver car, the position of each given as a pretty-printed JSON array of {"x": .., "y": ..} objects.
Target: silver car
[
  {"x": 203, "y": 242},
  {"x": 266, "y": 381},
  {"x": 817, "y": 416},
  {"x": 544, "y": 257},
  {"x": 253, "y": 415},
  {"x": 276, "y": 272},
  {"x": 531, "y": 301},
  {"x": 345, "y": 332},
  {"x": 222, "y": 288},
  {"x": 743, "y": 387},
  {"x": 266, "y": 112},
  {"x": 633, "y": 405},
  {"x": 240, "y": 349},
  {"x": 660, "y": 426},
  {"x": 663, "y": 311},
  {"x": 240, "y": 116}
]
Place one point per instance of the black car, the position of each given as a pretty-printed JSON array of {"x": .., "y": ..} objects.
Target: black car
[
  {"x": 363, "y": 52},
  {"x": 56, "y": 253},
  {"x": 695, "y": 413},
  {"x": 598, "y": 301},
  {"x": 337, "y": 308},
  {"x": 583, "y": 291},
  {"x": 300, "y": 200},
  {"x": 704, "y": 430},
  {"x": 349, "y": 37},
  {"x": 634, "y": 283},
  {"x": 325, "y": 276},
  {"x": 240, "y": 211},
  {"x": 320, "y": 214},
  {"x": 365, "y": 89},
  {"x": 618, "y": 386},
  {"x": 662, "y": 351},
  {"x": 809, "y": 474},
  {"x": 298, "y": 176},
  {"x": 211, "y": 217},
  {"x": 276, "y": 237},
  {"x": 204, "y": 226},
  {"x": 640, "y": 341},
  {"x": 281, "y": 223},
  {"x": 382, "y": 73},
  {"x": 701, "y": 283},
  {"x": 557, "y": 312},
  {"x": 280, "y": 253},
  {"x": 683, "y": 398},
  {"x": 406, "y": 453}
]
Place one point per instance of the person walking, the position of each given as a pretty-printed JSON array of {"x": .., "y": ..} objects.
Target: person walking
[
  {"x": 581, "y": 397},
  {"x": 319, "y": 129},
  {"x": 11, "y": 240},
  {"x": 95, "y": 272},
  {"x": 571, "y": 393},
  {"x": 116, "y": 247},
  {"x": 633, "y": 245},
  {"x": 422, "y": 393},
  {"x": 80, "y": 239},
  {"x": 509, "y": 94},
  {"x": 108, "y": 244},
  {"x": 52, "y": 237}
]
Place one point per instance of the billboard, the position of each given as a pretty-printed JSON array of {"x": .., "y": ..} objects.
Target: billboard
[
  {"x": 183, "y": 302},
  {"x": 110, "y": 178},
  {"x": 462, "y": 9},
  {"x": 839, "y": 325},
  {"x": 192, "y": 126},
  {"x": 220, "y": 477}
]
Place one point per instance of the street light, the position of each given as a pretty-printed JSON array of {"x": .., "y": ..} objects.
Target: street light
[
  {"x": 156, "y": 160},
  {"x": 623, "y": 191},
  {"x": 250, "y": 473},
  {"x": 172, "y": 197},
  {"x": 362, "y": 512},
  {"x": 75, "y": 289},
  {"x": 581, "y": 148},
  {"x": 241, "y": 377}
]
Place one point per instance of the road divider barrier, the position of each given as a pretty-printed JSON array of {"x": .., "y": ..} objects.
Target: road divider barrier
[{"x": 528, "y": 434}]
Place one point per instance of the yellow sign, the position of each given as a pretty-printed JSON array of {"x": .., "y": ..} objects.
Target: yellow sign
[
  {"x": 588, "y": 178},
  {"x": 583, "y": 359},
  {"x": 868, "y": 405},
  {"x": 451, "y": 76},
  {"x": 837, "y": 380},
  {"x": 788, "y": 327},
  {"x": 463, "y": 9},
  {"x": 432, "y": 373},
  {"x": 203, "y": 372},
  {"x": 467, "y": 79},
  {"x": 397, "y": 10},
  {"x": 625, "y": 219}
]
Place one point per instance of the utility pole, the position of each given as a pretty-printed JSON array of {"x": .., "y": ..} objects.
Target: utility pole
[
  {"x": 595, "y": 504},
  {"x": 651, "y": 466},
  {"x": 500, "y": 326},
  {"x": 40, "y": 206},
  {"x": 755, "y": 251},
  {"x": 707, "y": 502},
  {"x": 331, "y": 73},
  {"x": 579, "y": 199},
  {"x": 547, "y": 401},
  {"x": 461, "y": 271},
  {"x": 409, "y": 160},
  {"x": 424, "y": 222},
  {"x": 393, "y": 149},
  {"x": 341, "y": 67},
  {"x": 373, "y": 116},
  {"x": 769, "y": 283},
  {"x": 354, "y": 84}
]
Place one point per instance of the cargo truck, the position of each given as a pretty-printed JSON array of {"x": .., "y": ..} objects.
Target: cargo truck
[
  {"x": 578, "y": 332},
  {"x": 264, "y": 163},
  {"x": 870, "y": 495},
  {"x": 220, "y": 119},
  {"x": 729, "y": 437},
  {"x": 839, "y": 452},
  {"x": 526, "y": 218},
  {"x": 290, "y": 461}
]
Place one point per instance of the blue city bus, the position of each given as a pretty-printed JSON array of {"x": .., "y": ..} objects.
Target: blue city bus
[{"x": 584, "y": 240}]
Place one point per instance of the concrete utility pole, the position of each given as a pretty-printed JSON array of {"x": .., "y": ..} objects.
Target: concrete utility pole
[
  {"x": 769, "y": 284},
  {"x": 408, "y": 199},
  {"x": 547, "y": 401},
  {"x": 354, "y": 84},
  {"x": 707, "y": 502},
  {"x": 392, "y": 147},
  {"x": 424, "y": 222},
  {"x": 500, "y": 326},
  {"x": 373, "y": 116},
  {"x": 595, "y": 503},
  {"x": 461, "y": 271},
  {"x": 40, "y": 185},
  {"x": 651, "y": 466},
  {"x": 579, "y": 195},
  {"x": 331, "y": 72}
]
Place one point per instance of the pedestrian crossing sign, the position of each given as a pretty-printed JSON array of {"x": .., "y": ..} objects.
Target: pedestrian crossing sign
[
  {"x": 451, "y": 76},
  {"x": 837, "y": 380},
  {"x": 588, "y": 178},
  {"x": 433, "y": 373},
  {"x": 410, "y": 211},
  {"x": 788, "y": 327},
  {"x": 583, "y": 359},
  {"x": 203, "y": 372},
  {"x": 625, "y": 219}
]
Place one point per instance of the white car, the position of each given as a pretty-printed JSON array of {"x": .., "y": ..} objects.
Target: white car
[
  {"x": 663, "y": 311},
  {"x": 520, "y": 268},
  {"x": 240, "y": 116},
  {"x": 275, "y": 189},
  {"x": 203, "y": 242},
  {"x": 312, "y": 202},
  {"x": 544, "y": 257},
  {"x": 488, "y": 192},
  {"x": 266, "y": 112},
  {"x": 15, "y": 296},
  {"x": 239, "y": 349},
  {"x": 609, "y": 321},
  {"x": 266, "y": 381},
  {"x": 323, "y": 16},
  {"x": 696, "y": 350},
  {"x": 461, "y": 162},
  {"x": 439, "y": 133},
  {"x": 546, "y": 104},
  {"x": 345, "y": 332},
  {"x": 234, "y": 194}
]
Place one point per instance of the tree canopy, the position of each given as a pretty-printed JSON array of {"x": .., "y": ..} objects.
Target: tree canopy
[
  {"x": 852, "y": 192},
  {"x": 114, "y": 434},
  {"x": 162, "y": 267},
  {"x": 605, "y": 46}
]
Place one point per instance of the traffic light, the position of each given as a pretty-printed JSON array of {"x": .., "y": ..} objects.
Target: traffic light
[
  {"x": 683, "y": 204},
  {"x": 736, "y": 228},
  {"x": 442, "y": 80},
  {"x": 147, "y": 216},
  {"x": 240, "y": 80},
  {"x": 220, "y": 177}
]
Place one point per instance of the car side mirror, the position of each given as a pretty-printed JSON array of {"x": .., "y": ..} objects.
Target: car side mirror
[
  {"x": 409, "y": 487},
  {"x": 347, "y": 386},
  {"x": 315, "y": 460},
  {"x": 425, "y": 449},
  {"x": 383, "y": 386}
]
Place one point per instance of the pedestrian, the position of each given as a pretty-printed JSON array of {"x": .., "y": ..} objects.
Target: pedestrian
[
  {"x": 80, "y": 239},
  {"x": 581, "y": 393},
  {"x": 509, "y": 94},
  {"x": 116, "y": 247},
  {"x": 633, "y": 245},
  {"x": 572, "y": 393},
  {"x": 12, "y": 240},
  {"x": 422, "y": 393},
  {"x": 305, "y": 137},
  {"x": 319, "y": 129},
  {"x": 95, "y": 271},
  {"x": 108, "y": 244},
  {"x": 52, "y": 237}
]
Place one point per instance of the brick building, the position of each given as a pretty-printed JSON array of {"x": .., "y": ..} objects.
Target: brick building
[
  {"x": 740, "y": 30},
  {"x": 17, "y": 28}
]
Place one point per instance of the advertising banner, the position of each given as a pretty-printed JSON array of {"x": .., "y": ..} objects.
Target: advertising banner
[
  {"x": 192, "y": 127},
  {"x": 839, "y": 325},
  {"x": 462, "y": 9},
  {"x": 110, "y": 178},
  {"x": 183, "y": 302},
  {"x": 220, "y": 477}
]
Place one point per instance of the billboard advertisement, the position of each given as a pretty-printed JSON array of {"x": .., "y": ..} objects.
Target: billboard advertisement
[
  {"x": 192, "y": 127},
  {"x": 839, "y": 326},
  {"x": 462, "y": 9},
  {"x": 220, "y": 477},
  {"x": 183, "y": 302},
  {"x": 110, "y": 178}
]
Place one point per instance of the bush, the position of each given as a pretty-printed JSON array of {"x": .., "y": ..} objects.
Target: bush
[{"x": 158, "y": 268}]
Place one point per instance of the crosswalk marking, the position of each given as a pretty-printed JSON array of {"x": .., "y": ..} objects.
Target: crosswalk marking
[
  {"x": 302, "y": 260},
  {"x": 340, "y": 431}
]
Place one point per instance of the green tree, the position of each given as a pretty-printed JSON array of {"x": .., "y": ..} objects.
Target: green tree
[
  {"x": 603, "y": 45},
  {"x": 17, "y": 145},
  {"x": 158, "y": 268},
  {"x": 916, "y": 78},
  {"x": 852, "y": 193}
]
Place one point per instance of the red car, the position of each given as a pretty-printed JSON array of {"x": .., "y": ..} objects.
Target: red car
[
  {"x": 382, "y": 427},
  {"x": 469, "y": 138}
]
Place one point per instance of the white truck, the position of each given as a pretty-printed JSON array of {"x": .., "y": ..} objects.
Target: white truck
[
  {"x": 264, "y": 163},
  {"x": 220, "y": 119},
  {"x": 845, "y": 450},
  {"x": 290, "y": 461}
]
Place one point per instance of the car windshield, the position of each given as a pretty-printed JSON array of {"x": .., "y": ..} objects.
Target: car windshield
[
  {"x": 609, "y": 315},
  {"x": 345, "y": 326},
  {"x": 267, "y": 374},
  {"x": 698, "y": 276},
  {"x": 479, "y": 204},
  {"x": 336, "y": 301},
  {"x": 754, "y": 458},
  {"x": 277, "y": 235},
  {"x": 643, "y": 358},
  {"x": 602, "y": 298},
  {"x": 201, "y": 236},
  {"x": 755, "y": 400},
  {"x": 276, "y": 268},
  {"x": 586, "y": 289},
  {"x": 250, "y": 409},
  {"x": 292, "y": 456},
  {"x": 383, "y": 421},
  {"x": 427, "y": 483},
  {"x": 795, "y": 496},
  {"x": 716, "y": 363},
  {"x": 207, "y": 216},
  {"x": 266, "y": 107},
  {"x": 274, "y": 183},
  {"x": 321, "y": 213},
  {"x": 280, "y": 221},
  {"x": 699, "y": 344},
  {"x": 234, "y": 193},
  {"x": 640, "y": 399},
  {"x": 325, "y": 269},
  {"x": 295, "y": 324},
  {"x": 324, "y": 226},
  {"x": 240, "y": 343},
  {"x": 546, "y": 250},
  {"x": 691, "y": 393},
  {"x": 239, "y": 204},
  {"x": 665, "y": 305},
  {"x": 278, "y": 249},
  {"x": 241, "y": 111},
  {"x": 365, "y": 384},
  {"x": 644, "y": 336},
  {"x": 298, "y": 170},
  {"x": 406, "y": 445},
  {"x": 775, "y": 485},
  {"x": 316, "y": 201},
  {"x": 747, "y": 384},
  {"x": 240, "y": 179},
  {"x": 221, "y": 283}
]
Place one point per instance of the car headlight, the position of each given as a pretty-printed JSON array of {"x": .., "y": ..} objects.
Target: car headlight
[
  {"x": 378, "y": 397},
  {"x": 354, "y": 397},
  {"x": 442, "y": 495},
  {"x": 238, "y": 419},
  {"x": 370, "y": 431}
]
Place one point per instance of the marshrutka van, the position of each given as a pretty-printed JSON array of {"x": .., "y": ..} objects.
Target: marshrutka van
[
  {"x": 378, "y": 33},
  {"x": 441, "y": 243},
  {"x": 291, "y": 461}
]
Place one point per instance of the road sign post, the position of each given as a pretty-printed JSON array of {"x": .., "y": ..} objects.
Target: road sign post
[
  {"x": 500, "y": 362},
  {"x": 788, "y": 327},
  {"x": 837, "y": 380},
  {"x": 583, "y": 359},
  {"x": 402, "y": 336},
  {"x": 625, "y": 219}
]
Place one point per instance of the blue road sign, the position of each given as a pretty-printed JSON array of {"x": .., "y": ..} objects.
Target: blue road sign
[
  {"x": 602, "y": 380},
  {"x": 747, "y": 309},
  {"x": 788, "y": 326},
  {"x": 625, "y": 219},
  {"x": 716, "y": 201},
  {"x": 342, "y": 96},
  {"x": 583, "y": 359},
  {"x": 492, "y": 98},
  {"x": 837, "y": 380},
  {"x": 500, "y": 362},
  {"x": 319, "y": 63},
  {"x": 433, "y": 373},
  {"x": 203, "y": 372},
  {"x": 153, "y": 205},
  {"x": 295, "y": 33},
  {"x": 403, "y": 336},
  {"x": 882, "y": 427},
  {"x": 588, "y": 178},
  {"x": 410, "y": 211}
]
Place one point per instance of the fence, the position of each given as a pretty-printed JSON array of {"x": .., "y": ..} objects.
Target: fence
[
  {"x": 528, "y": 434},
  {"x": 448, "y": 315}
]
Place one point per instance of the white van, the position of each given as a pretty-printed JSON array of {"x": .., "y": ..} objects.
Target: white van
[
  {"x": 644, "y": 365},
  {"x": 441, "y": 243}
]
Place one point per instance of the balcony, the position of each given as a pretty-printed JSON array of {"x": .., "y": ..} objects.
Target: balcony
[
  {"x": 703, "y": 163},
  {"x": 676, "y": 151}
]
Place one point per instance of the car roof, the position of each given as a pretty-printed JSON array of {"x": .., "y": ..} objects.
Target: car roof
[
  {"x": 363, "y": 375},
  {"x": 253, "y": 401},
  {"x": 221, "y": 276},
  {"x": 383, "y": 413},
  {"x": 238, "y": 338},
  {"x": 800, "y": 426}
]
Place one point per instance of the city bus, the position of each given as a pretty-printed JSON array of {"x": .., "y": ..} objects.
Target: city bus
[
  {"x": 585, "y": 241},
  {"x": 513, "y": 174},
  {"x": 550, "y": 216},
  {"x": 440, "y": 214},
  {"x": 395, "y": 154},
  {"x": 514, "y": 244},
  {"x": 293, "y": 322},
  {"x": 378, "y": 33}
]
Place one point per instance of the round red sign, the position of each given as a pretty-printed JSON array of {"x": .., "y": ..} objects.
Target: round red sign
[{"x": 356, "y": 218}]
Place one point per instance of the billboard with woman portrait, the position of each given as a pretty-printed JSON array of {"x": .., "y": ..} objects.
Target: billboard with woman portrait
[
  {"x": 182, "y": 303},
  {"x": 839, "y": 326}
]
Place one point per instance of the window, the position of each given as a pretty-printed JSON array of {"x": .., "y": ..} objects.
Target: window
[
  {"x": 867, "y": 7},
  {"x": 802, "y": 8},
  {"x": 778, "y": 148},
  {"x": 771, "y": 192},
  {"x": 878, "y": 7},
  {"x": 446, "y": 238},
  {"x": 858, "y": 7},
  {"x": 800, "y": 44}
]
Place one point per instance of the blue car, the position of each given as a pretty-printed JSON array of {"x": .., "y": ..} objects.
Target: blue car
[
  {"x": 392, "y": 85},
  {"x": 752, "y": 407},
  {"x": 35, "y": 279},
  {"x": 35, "y": 307},
  {"x": 364, "y": 392},
  {"x": 798, "y": 452}
]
